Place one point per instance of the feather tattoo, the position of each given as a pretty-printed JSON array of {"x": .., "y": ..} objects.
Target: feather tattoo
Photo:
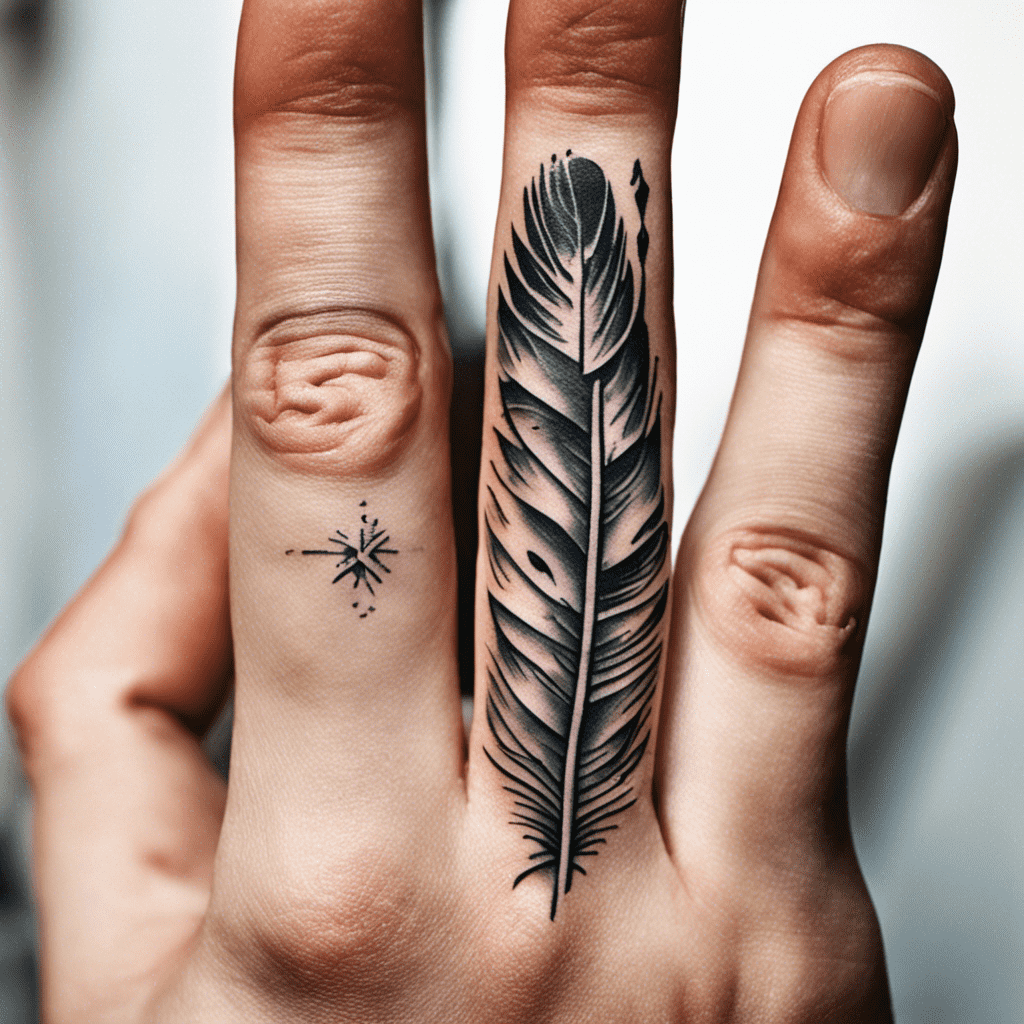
[{"x": 574, "y": 523}]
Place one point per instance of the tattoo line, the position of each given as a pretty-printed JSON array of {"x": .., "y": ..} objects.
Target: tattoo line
[{"x": 362, "y": 557}]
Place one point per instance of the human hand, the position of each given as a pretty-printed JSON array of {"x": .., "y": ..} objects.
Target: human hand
[{"x": 361, "y": 865}]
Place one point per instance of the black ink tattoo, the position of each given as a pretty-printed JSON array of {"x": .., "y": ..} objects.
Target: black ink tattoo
[
  {"x": 362, "y": 558},
  {"x": 575, "y": 525}
]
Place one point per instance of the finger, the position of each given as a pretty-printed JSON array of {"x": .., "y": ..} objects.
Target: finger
[
  {"x": 107, "y": 710},
  {"x": 777, "y": 567},
  {"x": 342, "y": 558},
  {"x": 576, "y": 493}
]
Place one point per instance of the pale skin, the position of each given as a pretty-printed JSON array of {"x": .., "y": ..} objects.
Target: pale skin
[{"x": 359, "y": 865}]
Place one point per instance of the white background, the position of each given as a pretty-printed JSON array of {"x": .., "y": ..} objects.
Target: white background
[{"x": 116, "y": 266}]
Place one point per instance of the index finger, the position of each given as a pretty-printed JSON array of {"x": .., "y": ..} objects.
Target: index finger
[{"x": 342, "y": 557}]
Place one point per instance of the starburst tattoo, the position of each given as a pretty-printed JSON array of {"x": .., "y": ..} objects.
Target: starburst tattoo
[{"x": 362, "y": 557}]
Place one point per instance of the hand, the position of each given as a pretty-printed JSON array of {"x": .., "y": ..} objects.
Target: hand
[{"x": 685, "y": 747}]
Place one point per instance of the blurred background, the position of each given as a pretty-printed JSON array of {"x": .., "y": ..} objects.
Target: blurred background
[{"x": 116, "y": 292}]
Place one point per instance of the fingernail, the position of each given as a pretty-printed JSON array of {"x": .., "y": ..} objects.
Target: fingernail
[{"x": 880, "y": 136}]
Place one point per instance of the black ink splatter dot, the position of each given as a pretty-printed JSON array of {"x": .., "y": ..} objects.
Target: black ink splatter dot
[
  {"x": 362, "y": 504},
  {"x": 355, "y": 604},
  {"x": 540, "y": 565},
  {"x": 363, "y": 616},
  {"x": 568, "y": 152},
  {"x": 290, "y": 551},
  {"x": 554, "y": 157},
  {"x": 372, "y": 609}
]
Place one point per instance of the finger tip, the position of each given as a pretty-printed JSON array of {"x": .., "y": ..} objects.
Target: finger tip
[
  {"x": 875, "y": 136},
  {"x": 860, "y": 220},
  {"x": 885, "y": 58}
]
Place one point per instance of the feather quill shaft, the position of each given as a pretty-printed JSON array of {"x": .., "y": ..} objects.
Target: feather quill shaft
[{"x": 564, "y": 880}]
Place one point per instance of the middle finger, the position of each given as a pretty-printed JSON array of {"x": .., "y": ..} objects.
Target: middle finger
[{"x": 572, "y": 586}]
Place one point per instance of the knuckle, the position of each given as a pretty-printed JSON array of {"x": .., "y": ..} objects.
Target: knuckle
[
  {"x": 825, "y": 960},
  {"x": 608, "y": 58},
  {"x": 22, "y": 703},
  {"x": 780, "y": 602},
  {"x": 184, "y": 510},
  {"x": 162, "y": 519},
  {"x": 146, "y": 518},
  {"x": 340, "y": 92},
  {"x": 864, "y": 305},
  {"x": 50, "y": 726},
  {"x": 313, "y": 929},
  {"x": 862, "y": 284},
  {"x": 807, "y": 986},
  {"x": 317, "y": 62},
  {"x": 337, "y": 392},
  {"x": 529, "y": 968}
]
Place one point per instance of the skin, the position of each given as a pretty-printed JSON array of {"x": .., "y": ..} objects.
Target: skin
[{"x": 359, "y": 866}]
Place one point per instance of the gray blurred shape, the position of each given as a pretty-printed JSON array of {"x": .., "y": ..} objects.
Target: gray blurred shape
[{"x": 936, "y": 759}]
